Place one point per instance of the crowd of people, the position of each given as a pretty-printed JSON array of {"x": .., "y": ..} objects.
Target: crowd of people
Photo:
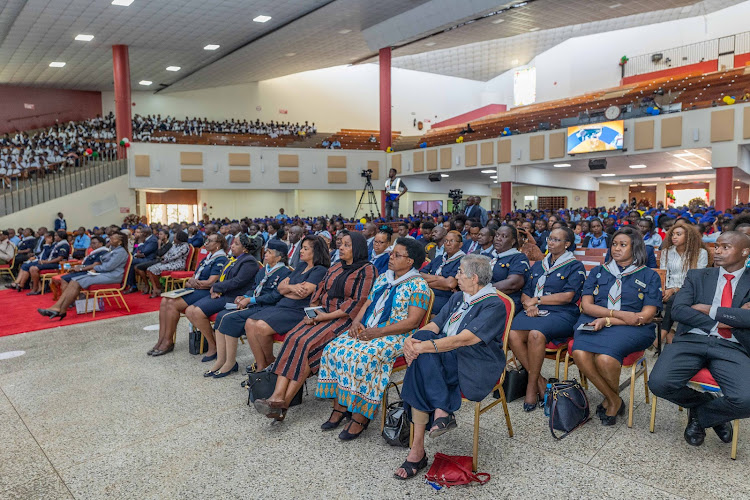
[
  {"x": 147, "y": 128},
  {"x": 350, "y": 297}
]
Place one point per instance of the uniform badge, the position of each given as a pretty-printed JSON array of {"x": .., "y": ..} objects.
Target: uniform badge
[
  {"x": 598, "y": 275},
  {"x": 640, "y": 296},
  {"x": 596, "y": 290},
  {"x": 640, "y": 283}
]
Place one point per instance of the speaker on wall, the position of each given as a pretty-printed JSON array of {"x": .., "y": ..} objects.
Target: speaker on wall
[
  {"x": 598, "y": 164},
  {"x": 434, "y": 177}
]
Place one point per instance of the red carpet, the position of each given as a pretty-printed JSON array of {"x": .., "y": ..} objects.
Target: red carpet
[{"x": 20, "y": 315}]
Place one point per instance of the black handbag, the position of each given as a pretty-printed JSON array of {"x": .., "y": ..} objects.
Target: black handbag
[
  {"x": 568, "y": 407},
  {"x": 397, "y": 429},
  {"x": 194, "y": 341},
  {"x": 260, "y": 385},
  {"x": 516, "y": 379}
]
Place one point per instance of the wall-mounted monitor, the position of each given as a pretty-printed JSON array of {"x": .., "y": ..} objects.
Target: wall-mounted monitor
[{"x": 595, "y": 137}]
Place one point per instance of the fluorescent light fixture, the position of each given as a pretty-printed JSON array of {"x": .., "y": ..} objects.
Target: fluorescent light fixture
[
  {"x": 533, "y": 29},
  {"x": 561, "y": 165},
  {"x": 643, "y": 191},
  {"x": 173, "y": 68},
  {"x": 493, "y": 177},
  {"x": 498, "y": 21},
  {"x": 446, "y": 175},
  {"x": 84, "y": 38},
  {"x": 489, "y": 171},
  {"x": 615, "y": 5},
  {"x": 56, "y": 64},
  {"x": 145, "y": 82},
  {"x": 262, "y": 19},
  {"x": 122, "y": 3},
  {"x": 430, "y": 44},
  {"x": 637, "y": 166},
  {"x": 529, "y": 198},
  {"x": 344, "y": 32},
  {"x": 626, "y": 180},
  {"x": 211, "y": 46},
  {"x": 736, "y": 187},
  {"x": 608, "y": 175}
]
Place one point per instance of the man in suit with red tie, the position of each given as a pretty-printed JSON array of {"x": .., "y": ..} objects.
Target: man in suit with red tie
[{"x": 713, "y": 311}]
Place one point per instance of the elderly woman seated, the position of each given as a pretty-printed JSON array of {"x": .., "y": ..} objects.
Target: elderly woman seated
[
  {"x": 440, "y": 273},
  {"x": 620, "y": 299},
  {"x": 110, "y": 271},
  {"x": 209, "y": 271},
  {"x": 172, "y": 260},
  {"x": 355, "y": 367},
  {"x": 230, "y": 324},
  {"x": 342, "y": 293},
  {"x": 54, "y": 252},
  {"x": 459, "y": 353}
]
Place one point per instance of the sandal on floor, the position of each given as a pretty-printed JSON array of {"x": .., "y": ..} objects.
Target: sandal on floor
[
  {"x": 345, "y": 435},
  {"x": 411, "y": 468},
  {"x": 329, "y": 425},
  {"x": 444, "y": 424},
  {"x": 271, "y": 409}
]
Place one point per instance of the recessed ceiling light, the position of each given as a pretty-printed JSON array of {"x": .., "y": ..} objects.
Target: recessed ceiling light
[
  {"x": 430, "y": 44},
  {"x": 498, "y": 21},
  {"x": 488, "y": 171},
  {"x": 262, "y": 19},
  {"x": 211, "y": 46},
  {"x": 493, "y": 177},
  {"x": 533, "y": 29},
  {"x": 615, "y": 5},
  {"x": 446, "y": 175},
  {"x": 344, "y": 32},
  {"x": 145, "y": 82},
  {"x": 626, "y": 180},
  {"x": 637, "y": 166},
  {"x": 608, "y": 175},
  {"x": 56, "y": 64},
  {"x": 290, "y": 54},
  {"x": 84, "y": 38},
  {"x": 561, "y": 165},
  {"x": 173, "y": 68},
  {"x": 122, "y": 3}
]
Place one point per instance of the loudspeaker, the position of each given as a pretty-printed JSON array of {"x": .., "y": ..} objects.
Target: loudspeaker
[
  {"x": 598, "y": 164},
  {"x": 655, "y": 58},
  {"x": 434, "y": 177}
]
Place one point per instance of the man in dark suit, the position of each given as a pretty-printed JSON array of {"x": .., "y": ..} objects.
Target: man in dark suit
[
  {"x": 471, "y": 244},
  {"x": 470, "y": 210},
  {"x": 146, "y": 251},
  {"x": 295, "y": 235},
  {"x": 713, "y": 312}
]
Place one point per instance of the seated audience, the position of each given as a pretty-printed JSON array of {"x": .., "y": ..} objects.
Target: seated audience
[
  {"x": 650, "y": 237},
  {"x": 173, "y": 260},
  {"x": 549, "y": 301},
  {"x": 7, "y": 248},
  {"x": 195, "y": 237},
  {"x": 163, "y": 246},
  {"x": 597, "y": 238},
  {"x": 381, "y": 245},
  {"x": 54, "y": 252},
  {"x": 341, "y": 294},
  {"x": 486, "y": 241},
  {"x": 98, "y": 247},
  {"x": 510, "y": 267},
  {"x": 528, "y": 244},
  {"x": 440, "y": 273},
  {"x": 458, "y": 354},
  {"x": 109, "y": 272},
  {"x": 144, "y": 251},
  {"x": 620, "y": 299},
  {"x": 713, "y": 312},
  {"x": 81, "y": 243},
  {"x": 355, "y": 367}
]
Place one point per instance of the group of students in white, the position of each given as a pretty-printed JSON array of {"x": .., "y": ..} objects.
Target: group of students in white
[{"x": 147, "y": 128}]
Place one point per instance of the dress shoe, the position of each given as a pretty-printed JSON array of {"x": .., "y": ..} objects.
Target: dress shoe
[
  {"x": 694, "y": 433},
  {"x": 724, "y": 431},
  {"x": 130, "y": 290},
  {"x": 235, "y": 368},
  {"x": 612, "y": 420},
  {"x": 44, "y": 312},
  {"x": 158, "y": 352},
  {"x": 206, "y": 359},
  {"x": 55, "y": 314}
]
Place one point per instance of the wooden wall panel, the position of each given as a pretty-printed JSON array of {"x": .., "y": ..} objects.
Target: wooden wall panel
[
  {"x": 239, "y": 159},
  {"x": 374, "y": 165},
  {"x": 471, "y": 155},
  {"x": 746, "y": 123},
  {"x": 191, "y": 158},
  {"x": 336, "y": 177},
  {"x": 536, "y": 147},
  {"x": 418, "y": 161},
  {"x": 557, "y": 145},
  {"x": 487, "y": 153},
  {"x": 722, "y": 125},
  {"x": 173, "y": 197},
  {"x": 289, "y": 160},
  {"x": 446, "y": 158},
  {"x": 191, "y": 175},
  {"x": 503, "y": 151},
  {"x": 395, "y": 163},
  {"x": 644, "y": 135},
  {"x": 239, "y": 175},
  {"x": 671, "y": 132},
  {"x": 337, "y": 162},
  {"x": 288, "y": 177},
  {"x": 432, "y": 160},
  {"x": 142, "y": 166}
]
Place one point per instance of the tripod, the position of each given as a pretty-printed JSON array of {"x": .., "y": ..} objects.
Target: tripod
[{"x": 372, "y": 200}]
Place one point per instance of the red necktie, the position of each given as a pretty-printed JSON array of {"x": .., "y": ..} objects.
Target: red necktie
[
  {"x": 291, "y": 252},
  {"x": 726, "y": 301}
]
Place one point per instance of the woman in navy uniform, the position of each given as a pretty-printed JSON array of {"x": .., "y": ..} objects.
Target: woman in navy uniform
[
  {"x": 620, "y": 299},
  {"x": 459, "y": 353},
  {"x": 550, "y": 310},
  {"x": 58, "y": 252},
  {"x": 510, "y": 267},
  {"x": 440, "y": 273}
]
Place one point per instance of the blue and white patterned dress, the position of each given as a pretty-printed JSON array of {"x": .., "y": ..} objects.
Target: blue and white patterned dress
[{"x": 356, "y": 372}]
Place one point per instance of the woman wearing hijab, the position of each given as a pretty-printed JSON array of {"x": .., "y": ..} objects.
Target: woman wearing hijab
[
  {"x": 341, "y": 294},
  {"x": 356, "y": 366}
]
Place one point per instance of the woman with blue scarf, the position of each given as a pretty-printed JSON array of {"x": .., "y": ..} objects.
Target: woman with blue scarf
[
  {"x": 597, "y": 238},
  {"x": 355, "y": 367}
]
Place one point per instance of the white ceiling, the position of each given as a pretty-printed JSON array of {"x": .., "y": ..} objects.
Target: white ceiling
[{"x": 302, "y": 35}]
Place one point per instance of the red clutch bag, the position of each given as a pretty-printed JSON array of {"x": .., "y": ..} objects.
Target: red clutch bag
[{"x": 447, "y": 470}]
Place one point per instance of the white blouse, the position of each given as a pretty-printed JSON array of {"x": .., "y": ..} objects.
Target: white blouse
[{"x": 673, "y": 263}]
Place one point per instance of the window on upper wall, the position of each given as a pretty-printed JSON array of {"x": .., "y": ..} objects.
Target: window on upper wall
[{"x": 524, "y": 87}]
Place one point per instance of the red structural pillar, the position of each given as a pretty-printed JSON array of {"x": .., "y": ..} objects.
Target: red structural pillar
[
  {"x": 724, "y": 190},
  {"x": 506, "y": 195},
  {"x": 121, "y": 71},
  {"x": 385, "y": 98},
  {"x": 592, "y": 199}
]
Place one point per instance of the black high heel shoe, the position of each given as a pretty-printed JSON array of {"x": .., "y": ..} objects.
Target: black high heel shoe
[
  {"x": 345, "y": 435},
  {"x": 44, "y": 312},
  {"x": 56, "y": 314},
  {"x": 330, "y": 425},
  {"x": 608, "y": 420},
  {"x": 528, "y": 407}
]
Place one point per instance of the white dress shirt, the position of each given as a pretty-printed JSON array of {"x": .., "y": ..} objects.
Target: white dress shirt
[
  {"x": 717, "y": 302},
  {"x": 673, "y": 263}
]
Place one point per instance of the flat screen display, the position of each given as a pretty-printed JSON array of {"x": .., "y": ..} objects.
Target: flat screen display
[
  {"x": 428, "y": 206},
  {"x": 595, "y": 137}
]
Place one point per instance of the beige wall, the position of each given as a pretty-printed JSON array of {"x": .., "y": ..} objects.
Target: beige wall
[
  {"x": 520, "y": 191},
  {"x": 95, "y": 206},
  {"x": 607, "y": 191}
]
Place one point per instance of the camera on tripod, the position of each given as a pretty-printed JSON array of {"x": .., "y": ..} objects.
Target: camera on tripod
[
  {"x": 456, "y": 195},
  {"x": 366, "y": 173}
]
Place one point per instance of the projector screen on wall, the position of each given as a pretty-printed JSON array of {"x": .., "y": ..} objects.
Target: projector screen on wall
[
  {"x": 524, "y": 87},
  {"x": 604, "y": 136}
]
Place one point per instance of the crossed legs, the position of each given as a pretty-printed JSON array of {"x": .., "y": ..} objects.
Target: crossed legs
[{"x": 529, "y": 347}]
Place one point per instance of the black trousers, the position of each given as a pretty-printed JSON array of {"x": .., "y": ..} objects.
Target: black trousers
[{"x": 727, "y": 361}]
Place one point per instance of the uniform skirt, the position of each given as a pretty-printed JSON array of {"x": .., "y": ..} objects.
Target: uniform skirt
[
  {"x": 557, "y": 326},
  {"x": 26, "y": 266},
  {"x": 280, "y": 319},
  {"x": 615, "y": 341},
  {"x": 211, "y": 306},
  {"x": 232, "y": 323}
]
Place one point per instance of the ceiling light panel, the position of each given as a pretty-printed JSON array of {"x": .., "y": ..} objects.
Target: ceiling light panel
[
  {"x": 122, "y": 3},
  {"x": 262, "y": 19},
  {"x": 173, "y": 68},
  {"x": 211, "y": 46},
  {"x": 84, "y": 38}
]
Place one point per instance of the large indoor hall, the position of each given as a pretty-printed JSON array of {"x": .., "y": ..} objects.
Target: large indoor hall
[{"x": 326, "y": 248}]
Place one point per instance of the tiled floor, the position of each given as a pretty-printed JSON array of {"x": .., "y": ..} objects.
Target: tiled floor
[{"x": 86, "y": 414}]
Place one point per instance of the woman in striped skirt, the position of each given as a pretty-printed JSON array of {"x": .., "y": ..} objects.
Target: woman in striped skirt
[{"x": 341, "y": 294}]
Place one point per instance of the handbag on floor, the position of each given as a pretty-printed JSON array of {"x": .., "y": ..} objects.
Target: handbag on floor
[
  {"x": 448, "y": 470},
  {"x": 568, "y": 407},
  {"x": 516, "y": 379},
  {"x": 397, "y": 429},
  {"x": 194, "y": 341},
  {"x": 260, "y": 385}
]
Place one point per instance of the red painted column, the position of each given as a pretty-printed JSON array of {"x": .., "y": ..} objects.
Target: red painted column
[
  {"x": 592, "y": 199},
  {"x": 506, "y": 197},
  {"x": 724, "y": 190},
  {"x": 385, "y": 98},
  {"x": 121, "y": 71}
]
